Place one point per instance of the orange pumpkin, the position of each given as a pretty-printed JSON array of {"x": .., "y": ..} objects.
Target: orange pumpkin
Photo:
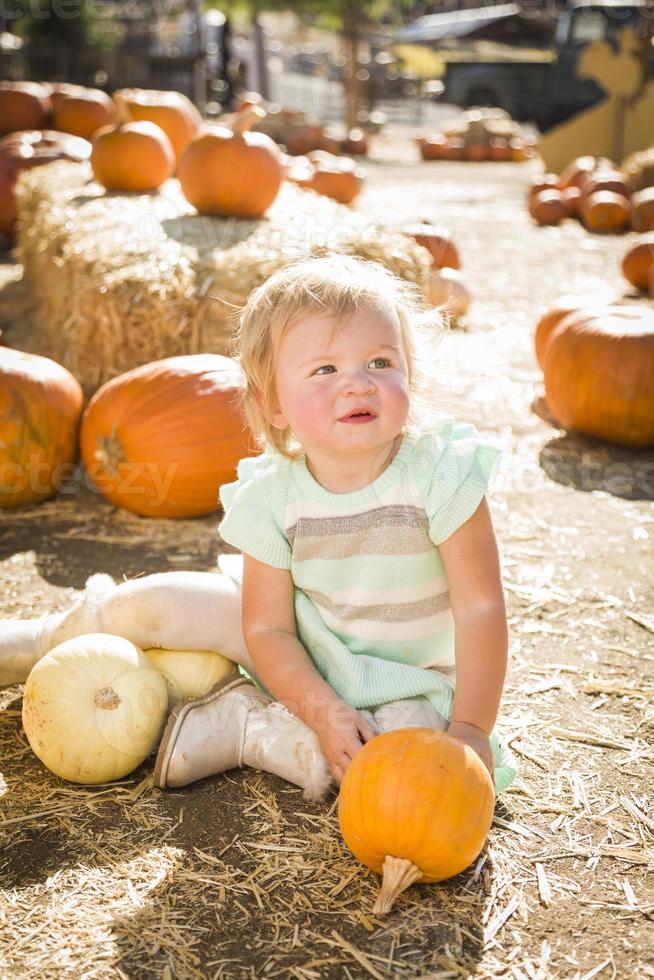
[
  {"x": 232, "y": 171},
  {"x": 548, "y": 207},
  {"x": 356, "y": 143},
  {"x": 565, "y": 307},
  {"x": 520, "y": 150},
  {"x": 638, "y": 263},
  {"x": 84, "y": 114},
  {"x": 500, "y": 149},
  {"x": 433, "y": 147},
  {"x": 161, "y": 439},
  {"x": 31, "y": 148},
  {"x": 23, "y": 105},
  {"x": 446, "y": 289},
  {"x": 136, "y": 156},
  {"x": 337, "y": 177},
  {"x": 173, "y": 112},
  {"x": 599, "y": 375},
  {"x": 576, "y": 172},
  {"x": 642, "y": 210},
  {"x": 572, "y": 200},
  {"x": 61, "y": 90},
  {"x": 606, "y": 180},
  {"x": 415, "y": 805},
  {"x": 438, "y": 243},
  {"x": 477, "y": 152},
  {"x": 546, "y": 182},
  {"x": 605, "y": 212},
  {"x": 40, "y": 408},
  {"x": 454, "y": 149}
]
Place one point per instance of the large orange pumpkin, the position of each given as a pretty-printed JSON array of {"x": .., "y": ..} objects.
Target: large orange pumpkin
[
  {"x": 40, "y": 407},
  {"x": 599, "y": 375},
  {"x": 415, "y": 805},
  {"x": 172, "y": 111},
  {"x": 549, "y": 321},
  {"x": 26, "y": 149},
  {"x": 135, "y": 156},
  {"x": 84, "y": 114},
  {"x": 161, "y": 439},
  {"x": 23, "y": 105},
  {"x": 443, "y": 251},
  {"x": 232, "y": 171},
  {"x": 638, "y": 263}
]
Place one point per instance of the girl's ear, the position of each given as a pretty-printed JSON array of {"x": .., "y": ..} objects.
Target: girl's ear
[{"x": 276, "y": 418}]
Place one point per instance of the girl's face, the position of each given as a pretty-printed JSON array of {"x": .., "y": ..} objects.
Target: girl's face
[{"x": 323, "y": 380}]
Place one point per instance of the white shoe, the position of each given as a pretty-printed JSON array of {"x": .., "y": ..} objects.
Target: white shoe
[{"x": 236, "y": 725}]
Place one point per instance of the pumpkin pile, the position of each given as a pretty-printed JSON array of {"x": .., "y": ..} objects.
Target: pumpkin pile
[
  {"x": 415, "y": 805},
  {"x": 598, "y": 368},
  {"x": 138, "y": 139},
  {"x": 479, "y": 135},
  {"x": 300, "y": 134},
  {"x": 606, "y": 199}
]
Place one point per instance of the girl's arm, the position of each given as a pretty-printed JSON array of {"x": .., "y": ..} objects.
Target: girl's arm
[
  {"x": 472, "y": 567},
  {"x": 284, "y": 666}
]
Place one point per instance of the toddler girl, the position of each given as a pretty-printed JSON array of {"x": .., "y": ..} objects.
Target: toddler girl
[{"x": 371, "y": 591}]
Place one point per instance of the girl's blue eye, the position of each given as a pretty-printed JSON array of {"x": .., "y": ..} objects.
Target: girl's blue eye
[{"x": 324, "y": 366}]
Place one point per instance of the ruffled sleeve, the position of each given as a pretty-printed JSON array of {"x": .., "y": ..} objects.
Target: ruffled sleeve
[
  {"x": 455, "y": 465},
  {"x": 254, "y": 508}
]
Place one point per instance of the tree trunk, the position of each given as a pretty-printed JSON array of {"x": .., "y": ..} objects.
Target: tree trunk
[
  {"x": 352, "y": 40},
  {"x": 262, "y": 84}
]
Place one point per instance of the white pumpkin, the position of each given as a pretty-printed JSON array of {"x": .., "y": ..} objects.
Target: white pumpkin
[
  {"x": 446, "y": 288},
  {"x": 190, "y": 673},
  {"x": 94, "y": 708}
]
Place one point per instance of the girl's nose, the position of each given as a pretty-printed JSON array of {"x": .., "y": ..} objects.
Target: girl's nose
[{"x": 359, "y": 383}]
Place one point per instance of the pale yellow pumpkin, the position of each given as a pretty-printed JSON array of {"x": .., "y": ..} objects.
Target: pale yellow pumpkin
[
  {"x": 94, "y": 708},
  {"x": 190, "y": 673}
]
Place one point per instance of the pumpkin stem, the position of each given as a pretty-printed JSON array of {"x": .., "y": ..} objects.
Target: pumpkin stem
[
  {"x": 397, "y": 874},
  {"x": 106, "y": 697},
  {"x": 123, "y": 115},
  {"x": 247, "y": 118},
  {"x": 110, "y": 453}
]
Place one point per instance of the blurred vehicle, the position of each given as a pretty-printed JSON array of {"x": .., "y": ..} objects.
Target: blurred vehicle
[{"x": 535, "y": 84}]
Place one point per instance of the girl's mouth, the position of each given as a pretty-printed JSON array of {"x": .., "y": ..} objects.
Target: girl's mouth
[{"x": 358, "y": 418}]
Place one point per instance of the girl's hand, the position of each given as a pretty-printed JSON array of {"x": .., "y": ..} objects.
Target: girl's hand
[
  {"x": 477, "y": 739},
  {"x": 341, "y": 735}
]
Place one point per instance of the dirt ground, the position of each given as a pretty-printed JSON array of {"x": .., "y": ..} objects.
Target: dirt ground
[{"x": 237, "y": 876}]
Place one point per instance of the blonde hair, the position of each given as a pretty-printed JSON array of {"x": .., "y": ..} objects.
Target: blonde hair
[{"x": 335, "y": 285}]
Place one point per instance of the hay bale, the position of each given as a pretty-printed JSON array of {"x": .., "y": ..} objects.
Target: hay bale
[{"x": 122, "y": 279}]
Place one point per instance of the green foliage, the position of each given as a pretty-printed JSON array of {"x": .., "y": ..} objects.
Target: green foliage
[
  {"x": 330, "y": 14},
  {"x": 56, "y": 22}
]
